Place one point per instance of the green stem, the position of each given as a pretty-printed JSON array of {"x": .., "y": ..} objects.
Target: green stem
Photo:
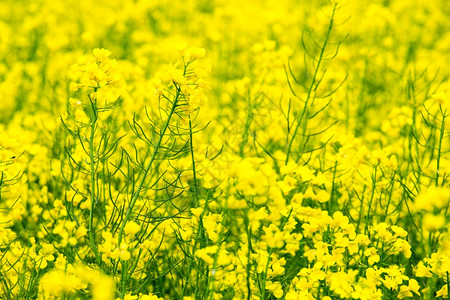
[
  {"x": 448, "y": 285},
  {"x": 191, "y": 263},
  {"x": 313, "y": 82},
  {"x": 374, "y": 184},
  {"x": 263, "y": 296},
  {"x": 263, "y": 292},
  {"x": 147, "y": 170},
  {"x": 93, "y": 124},
  {"x": 124, "y": 278},
  {"x": 441, "y": 137},
  {"x": 194, "y": 173},
  {"x": 249, "y": 241}
]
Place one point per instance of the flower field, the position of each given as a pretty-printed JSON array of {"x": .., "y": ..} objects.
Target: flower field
[{"x": 213, "y": 149}]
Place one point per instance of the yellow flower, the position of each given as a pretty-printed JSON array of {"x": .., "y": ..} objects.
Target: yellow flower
[
  {"x": 407, "y": 291},
  {"x": 422, "y": 270},
  {"x": 434, "y": 197},
  {"x": 441, "y": 98},
  {"x": 101, "y": 55},
  {"x": 95, "y": 71},
  {"x": 443, "y": 292},
  {"x": 433, "y": 223},
  {"x": 273, "y": 237},
  {"x": 149, "y": 297},
  {"x": 403, "y": 246},
  {"x": 124, "y": 254},
  {"x": 213, "y": 226},
  {"x": 287, "y": 185},
  {"x": 197, "y": 211},
  {"x": 372, "y": 254},
  {"x": 74, "y": 102},
  {"x": 207, "y": 254},
  {"x": 275, "y": 288},
  {"x": 132, "y": 228},
  {"x": 193, "y": 53},
  {"x": 46, "y": 255}
]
